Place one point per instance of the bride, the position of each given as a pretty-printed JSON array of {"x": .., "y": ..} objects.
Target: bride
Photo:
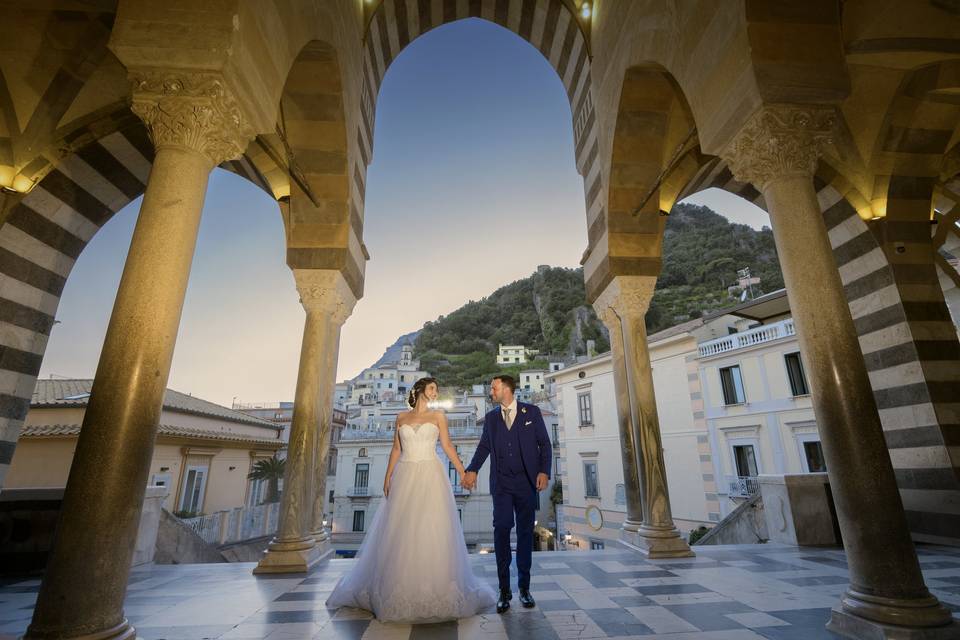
[{"x": 413, "y": 564}]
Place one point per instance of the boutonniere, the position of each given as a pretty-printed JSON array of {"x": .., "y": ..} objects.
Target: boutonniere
[{"x": 523, "y": 409}]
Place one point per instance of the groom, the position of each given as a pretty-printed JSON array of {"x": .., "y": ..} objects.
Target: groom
[{"x": 515, "y": 435}]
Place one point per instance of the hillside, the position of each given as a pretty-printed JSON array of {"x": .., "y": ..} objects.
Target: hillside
[
  {"x": 548, "y": 311},
  {"x": 702, "y": 251}
]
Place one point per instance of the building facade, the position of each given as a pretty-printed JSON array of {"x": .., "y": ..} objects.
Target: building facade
[
  {"x": 733, "y": 402},
  {"x": 202, "y": 454}
]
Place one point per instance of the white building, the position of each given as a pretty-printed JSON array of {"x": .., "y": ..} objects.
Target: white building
[
  {"x": 732, "y": 403},
  {"x": 514, "y": 354},
  {"x": 532, "y": 380}
]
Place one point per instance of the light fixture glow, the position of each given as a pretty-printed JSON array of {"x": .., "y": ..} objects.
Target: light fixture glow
[
  {"x": 12, "y": 180},
  {"x": 585, "y": 10}
]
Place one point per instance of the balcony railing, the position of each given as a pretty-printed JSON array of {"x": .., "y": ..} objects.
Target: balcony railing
[
  {"x": 744, "y": 486},
  {"x": 759, "y": 335},
  {"x": 236, "y": 525},
  {"x": 358, "y": 492},
  {"x": 460, "y": 491}
]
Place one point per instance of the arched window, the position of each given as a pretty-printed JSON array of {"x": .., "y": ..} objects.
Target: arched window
[{"x": 363, "y": 452}]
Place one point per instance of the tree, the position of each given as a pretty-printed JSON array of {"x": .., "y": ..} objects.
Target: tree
[{"x": 271, "y": 470}]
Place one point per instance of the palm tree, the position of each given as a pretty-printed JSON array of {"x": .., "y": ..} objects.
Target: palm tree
[{"x": 271, "y": 470}]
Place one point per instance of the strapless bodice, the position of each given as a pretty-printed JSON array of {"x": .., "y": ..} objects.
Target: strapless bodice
[{"x": 419, "y": 442}]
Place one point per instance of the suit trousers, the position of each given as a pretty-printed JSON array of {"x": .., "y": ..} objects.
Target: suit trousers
[{"x": 516, "y": 500}]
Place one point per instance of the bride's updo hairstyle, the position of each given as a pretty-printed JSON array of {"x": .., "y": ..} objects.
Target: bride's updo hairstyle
[{"x": 419, "y": 387}]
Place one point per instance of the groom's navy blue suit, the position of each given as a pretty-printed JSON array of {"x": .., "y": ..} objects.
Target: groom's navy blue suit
[{"x": 517, "y": 455}]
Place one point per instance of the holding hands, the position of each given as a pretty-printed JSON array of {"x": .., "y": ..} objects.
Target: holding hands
[{"x": 469, "y": 480}]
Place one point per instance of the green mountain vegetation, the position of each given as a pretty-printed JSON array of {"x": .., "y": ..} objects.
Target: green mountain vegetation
[
  {"x": 547, "y": 311},
  {"x": 702, "y": 252}
]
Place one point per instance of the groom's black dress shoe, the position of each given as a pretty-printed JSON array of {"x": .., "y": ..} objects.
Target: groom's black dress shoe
[
  {"x": 526, "y": 599},
  {"x": 503, "y": 602}
]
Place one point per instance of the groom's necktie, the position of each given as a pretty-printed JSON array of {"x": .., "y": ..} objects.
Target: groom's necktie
[{"x": 506, "y": 417}]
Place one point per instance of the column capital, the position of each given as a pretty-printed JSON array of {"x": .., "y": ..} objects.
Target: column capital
[
  {"x": 625, "y": 297},
  {"x": 780, "y": 141},
  {"x": 326, "y": 291},
  {"x": 190, "y": 109}
]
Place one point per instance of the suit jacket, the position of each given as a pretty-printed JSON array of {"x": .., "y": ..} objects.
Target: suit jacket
[{"x": 535, "y": 449}]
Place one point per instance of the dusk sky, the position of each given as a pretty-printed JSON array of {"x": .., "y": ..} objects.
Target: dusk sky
[{"x": 472, "y": 185}]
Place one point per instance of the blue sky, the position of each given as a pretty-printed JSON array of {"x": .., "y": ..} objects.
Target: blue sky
[{"x": 472, "y": 185}]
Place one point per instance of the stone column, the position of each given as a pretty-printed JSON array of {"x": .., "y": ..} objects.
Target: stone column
[
  {"x": 623, "y": 306},
  {"x": 194, "y": 125},
  {"x": 339, "y": 301},
  {"x": 628, "y": 436},
  {"x": 294, "y": 549},
  {"x": 777, "y": 151}
]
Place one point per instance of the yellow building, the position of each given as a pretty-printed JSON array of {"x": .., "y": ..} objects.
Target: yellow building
[{"x": 203, "y": 451}]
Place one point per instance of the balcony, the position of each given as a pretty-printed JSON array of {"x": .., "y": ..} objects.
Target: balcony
[
  {"x": 358, "y": 492},
  {"x": 743, "y": 486},
  {"x": 751, "y": 338}
]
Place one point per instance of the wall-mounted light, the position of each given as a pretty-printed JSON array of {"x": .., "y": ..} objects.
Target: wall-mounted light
[
  {"x": 230, "y": 468},
  {"x": 324, "y": 523},
  {"x": 162, "y": 469},
  {"x": 585, "y": 11}
]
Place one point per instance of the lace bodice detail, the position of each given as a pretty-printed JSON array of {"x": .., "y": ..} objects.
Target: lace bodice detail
[{"x": 419, "y": 442}]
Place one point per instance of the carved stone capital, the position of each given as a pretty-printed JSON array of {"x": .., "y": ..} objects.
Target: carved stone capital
[
  {"x": 193, "y": 110},
  {"x": 325, "y": 291},
  {"x": 780, "y": 141},
  {"x": 626, "y": 297}
]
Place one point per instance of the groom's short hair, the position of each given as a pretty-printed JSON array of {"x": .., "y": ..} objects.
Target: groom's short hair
[{"x": 508, "y": 381}]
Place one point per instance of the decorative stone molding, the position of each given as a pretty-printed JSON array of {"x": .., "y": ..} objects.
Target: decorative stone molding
[
  {"x": 780, "y": 141},
  {"x": 624, "y": 297},
  {"x": 193, "y": 110},
  {"x": 325, "y": 290}
]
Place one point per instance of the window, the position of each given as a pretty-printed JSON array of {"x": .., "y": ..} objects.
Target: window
[
  {"x": 362, "y": 475},
  {"x": 331, "y": 495},
  {"x": 460, "y": 514},
  {"x": 745, "y": 459},
  {"x": 556, "y": 436},
  {"x": 621, "y": 497},
  {"x": 596, "y": 545},
  {"x": 590, "y": 480},
  {"x": 585, "y": 405},
  {"x": 255, "y": 492},
  {"x": 732, "y": 383},
  {"x": 556, "y": 466},
  {"x": 813, "y": 452},
  {"x": 194, "y": 485},
  {"x": 362, "y": 453},
  {"x": 798, "y": 381},
  {"x": 452, "y": 474},
  {"x": 358, "y": 520}
]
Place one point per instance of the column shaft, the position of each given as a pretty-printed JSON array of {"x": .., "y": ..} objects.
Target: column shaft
[
  {"x": 629, "y": 446},
  {"x": 653, "y": 478},
  {"x": 327, "y": 381},
  {"x": 293, "y": 548},
  {"x": 86, "y": 577}
]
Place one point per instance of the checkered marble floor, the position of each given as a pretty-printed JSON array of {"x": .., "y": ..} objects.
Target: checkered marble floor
[{"x": 725, "y": 593}]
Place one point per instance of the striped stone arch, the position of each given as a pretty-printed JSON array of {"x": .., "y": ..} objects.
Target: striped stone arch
[
  {"x": 654, "y": 130},
  {"x": 919, "y": 427},
  {"x": 40, "y": 240},
  {"x": 551, "y": 26},
  {"x": 43, "y": 234}
]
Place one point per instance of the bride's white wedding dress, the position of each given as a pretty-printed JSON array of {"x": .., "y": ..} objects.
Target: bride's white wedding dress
[{"x": 413, "y": 564}]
